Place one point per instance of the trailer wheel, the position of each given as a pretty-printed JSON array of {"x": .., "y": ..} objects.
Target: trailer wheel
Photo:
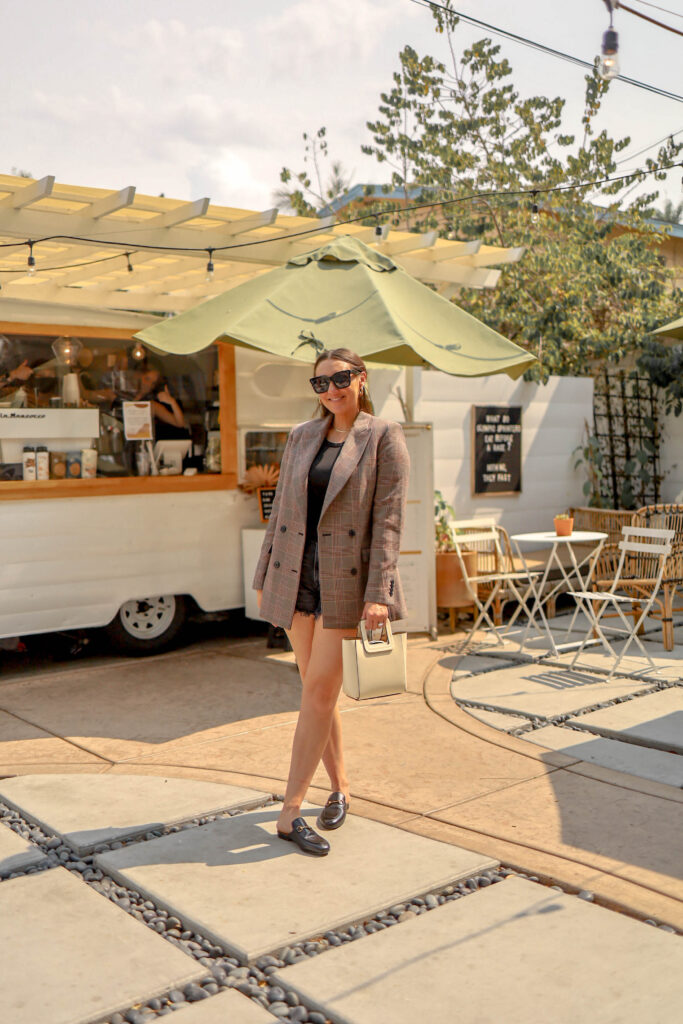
[{"x": 148, "y": 625}]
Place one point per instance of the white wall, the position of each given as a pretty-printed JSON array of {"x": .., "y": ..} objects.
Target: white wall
[
  {"x": 272, "y": 392},
  {"x": 672, "y": 459},
  {"x": 553, "y": 418}
]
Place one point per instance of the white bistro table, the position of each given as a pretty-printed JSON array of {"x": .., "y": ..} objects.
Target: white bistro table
[{"x": 575, "y": 576}]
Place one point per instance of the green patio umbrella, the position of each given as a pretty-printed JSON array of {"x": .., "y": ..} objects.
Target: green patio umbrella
[
  {"x": 344, "y": 295},
  {"x": 672, "y": 330}
]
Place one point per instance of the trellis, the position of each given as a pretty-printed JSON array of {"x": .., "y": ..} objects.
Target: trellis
[{"x": 628, "y": 430}]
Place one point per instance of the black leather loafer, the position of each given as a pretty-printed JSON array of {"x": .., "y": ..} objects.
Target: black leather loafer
[
  {"x": 303, "y": 836},
  {"x": 333, "y": 814}
]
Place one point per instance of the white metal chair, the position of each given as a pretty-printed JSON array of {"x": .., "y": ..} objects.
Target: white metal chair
[
  {"x": 642, "y": 560},
  {"x": 497, "y": 576}
]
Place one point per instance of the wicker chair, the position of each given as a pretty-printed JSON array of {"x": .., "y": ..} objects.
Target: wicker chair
[
  {"x": 635, "y": 582},
  {"x": 602, "y": 520}
]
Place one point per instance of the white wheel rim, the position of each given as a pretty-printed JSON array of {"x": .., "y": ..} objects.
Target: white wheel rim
[{"x": 149, "y": 617}]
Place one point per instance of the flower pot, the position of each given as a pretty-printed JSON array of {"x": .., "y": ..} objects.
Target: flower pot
[
  {"x": 563, "y": 527},
  {"x": 451, "y": 589}
]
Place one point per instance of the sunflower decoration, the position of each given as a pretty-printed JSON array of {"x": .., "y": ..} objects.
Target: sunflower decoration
[{"x": 260, "y": 476}]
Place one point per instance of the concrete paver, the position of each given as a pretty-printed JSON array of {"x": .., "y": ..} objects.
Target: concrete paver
[
  {"x": 87, "y": 810},
  {"x": 630, "y": 834},
  {"x": 16, "y": 853},
  {"x": 612, "y": 753},
  {"x": 541, "y": 690},
  {"x": 69, "y": 956},
  {"x": 271, "y": 894},
  {"x": 655, "y": 720},
  {"x": 515, "y": 952},
  {"x": 225, "y": 1008},
  {"x": 496, "y": 719},
  {"x": 669, "y": 664},
  {"x": 473, "y": 664}
]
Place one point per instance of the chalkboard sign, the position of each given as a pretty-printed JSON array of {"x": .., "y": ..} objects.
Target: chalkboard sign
[
  {"x": 496, "y": 449},
  {"x": 266, "y": 497}
]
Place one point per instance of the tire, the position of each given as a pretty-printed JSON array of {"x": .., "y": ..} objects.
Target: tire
[{"x": 147, "y": 625}]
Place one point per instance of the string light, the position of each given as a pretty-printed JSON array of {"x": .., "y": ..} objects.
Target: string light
[
  {"x": 439, "y": 204},
  {"x": 534, "y": 208},
  {"x": 608, "y": 68},
  {"x": 210, "y": 266},
  {"x": 31, "y": 258},
  {"x": 130, "y": 265}
]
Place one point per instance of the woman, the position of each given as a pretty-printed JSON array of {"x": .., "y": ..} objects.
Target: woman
[
  {"x": 329, "y": 561},
  {"x": 168, "y": 413}
]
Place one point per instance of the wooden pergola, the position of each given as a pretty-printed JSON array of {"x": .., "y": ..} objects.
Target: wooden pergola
[{"x": 120, "y": 250}]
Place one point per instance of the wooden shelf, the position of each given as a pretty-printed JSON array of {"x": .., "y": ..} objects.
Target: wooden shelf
[{"x": 24, "y": 490}]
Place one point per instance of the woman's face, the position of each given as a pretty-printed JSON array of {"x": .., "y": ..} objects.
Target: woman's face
[{"x": 340, "y": 400}]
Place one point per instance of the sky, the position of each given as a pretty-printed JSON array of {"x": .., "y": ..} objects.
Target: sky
[{"x": 212, "y": 98}]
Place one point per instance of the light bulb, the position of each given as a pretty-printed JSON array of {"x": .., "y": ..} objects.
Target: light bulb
[
  {"x": 130, "y": 265},
  {"x": 31, "y": 259},
  {"x": 608, "y": 68},
  {"x": 66, "y": 349},
  {"x": 138, "y": 352},
  {"x": 534, "y": 208},
  {"x": 210, "y": 267}
]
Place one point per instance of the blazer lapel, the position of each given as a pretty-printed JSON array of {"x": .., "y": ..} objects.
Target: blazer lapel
[{"x": 348, "y": 459}]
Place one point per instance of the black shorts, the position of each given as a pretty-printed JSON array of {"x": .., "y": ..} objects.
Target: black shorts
[{"x": 308, "y": 598}]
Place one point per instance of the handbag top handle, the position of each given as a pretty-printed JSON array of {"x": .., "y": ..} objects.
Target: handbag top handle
[{"x": 374, "y": 646}]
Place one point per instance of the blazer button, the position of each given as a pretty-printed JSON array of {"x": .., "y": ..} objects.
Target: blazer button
[
  {"x": 276, "y": 565},
  {"x": 354, "y": 571},
  {"x": 352, "y": 533},
  {"x": 283, "y": 529}
]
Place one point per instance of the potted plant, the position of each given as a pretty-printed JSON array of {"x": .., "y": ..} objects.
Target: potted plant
[
  {"x": 564, "y": 524},
  {"x": 451, "y": 589}
]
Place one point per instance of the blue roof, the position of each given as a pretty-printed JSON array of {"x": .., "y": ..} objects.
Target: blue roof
[{"x": 366, "y": 191}]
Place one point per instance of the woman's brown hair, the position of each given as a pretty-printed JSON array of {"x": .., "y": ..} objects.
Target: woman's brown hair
[{"x": 345, "y": 355}]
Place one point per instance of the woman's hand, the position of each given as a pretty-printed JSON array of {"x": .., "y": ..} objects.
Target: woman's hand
[
  {"x": 259, "y": 598},
  {"x": 164, "y": 395},
  {"x": 375, "y": 615}
]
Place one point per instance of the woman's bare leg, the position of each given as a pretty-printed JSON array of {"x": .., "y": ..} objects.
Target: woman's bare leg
[
  {"x": 321, "y": 683},
  {"x": 301, "y": 638}
]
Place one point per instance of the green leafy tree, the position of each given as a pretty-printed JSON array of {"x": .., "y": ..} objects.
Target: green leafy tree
[
  {"x": 591, "y": 282},
  {"x": 670, "y": 212},
  {"x": 307, "y": 191}
]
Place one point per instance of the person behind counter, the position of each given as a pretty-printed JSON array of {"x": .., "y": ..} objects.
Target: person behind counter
[{"x": 169, "y": 417}]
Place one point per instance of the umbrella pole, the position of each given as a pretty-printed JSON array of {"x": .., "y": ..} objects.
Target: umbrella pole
[{"x": 410, "y": 394}]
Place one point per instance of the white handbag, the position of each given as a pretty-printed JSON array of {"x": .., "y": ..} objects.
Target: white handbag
[{"x": 374, "y": 668}]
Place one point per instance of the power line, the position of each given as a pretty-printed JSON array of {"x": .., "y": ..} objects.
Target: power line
[
  {"x": 656, "y": 7},
  {"x": 632, "y": 156},
  {"x": 646, "y": 17},
  {"x": 541, "y": 47}
]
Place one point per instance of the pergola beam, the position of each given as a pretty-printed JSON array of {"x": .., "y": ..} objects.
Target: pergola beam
[
  {"x": 22, "y": 197},
  {"x": 111, "y": 203},
  {"x": 468, "y": 277},
  {"x": 421, "y": 241},
  {"x": 245, "y": 224},
  {"x": 181, "y": 214}
]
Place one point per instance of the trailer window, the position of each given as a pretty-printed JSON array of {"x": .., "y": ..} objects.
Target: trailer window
[{"x": 65, "y": 396}]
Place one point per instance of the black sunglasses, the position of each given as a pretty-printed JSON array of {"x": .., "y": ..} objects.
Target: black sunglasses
[{"x": 340, "y": 379}]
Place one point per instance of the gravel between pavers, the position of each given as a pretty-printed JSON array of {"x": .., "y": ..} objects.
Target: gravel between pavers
[{"x": 224, "y": 971}]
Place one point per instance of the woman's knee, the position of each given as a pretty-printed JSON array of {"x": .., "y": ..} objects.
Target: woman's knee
[{"x": 320, "y": 694}]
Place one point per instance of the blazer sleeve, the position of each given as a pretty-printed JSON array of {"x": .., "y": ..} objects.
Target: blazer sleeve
[
  {"x": 266, "y": 547},
  {"x": 393, "y": 468}
]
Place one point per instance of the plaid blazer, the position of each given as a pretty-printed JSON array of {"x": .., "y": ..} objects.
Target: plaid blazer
[{"x": 359, "y": 532}]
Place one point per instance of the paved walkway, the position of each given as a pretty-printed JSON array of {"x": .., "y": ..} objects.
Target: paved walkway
[{"x": 503, "y": 789}]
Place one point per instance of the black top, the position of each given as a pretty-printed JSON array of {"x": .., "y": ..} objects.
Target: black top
[
  {"x": 318, "y": 479},
  {"x": 164, "y": 431}
]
